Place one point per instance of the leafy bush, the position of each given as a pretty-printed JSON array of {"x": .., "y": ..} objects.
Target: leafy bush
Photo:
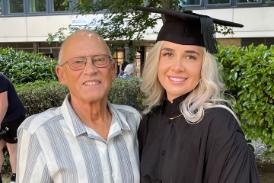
[
  {"x": 126, "y": 91},
  {"x": 6, "y": 168},
  {"x": 249, "y": 76},
  {"x": 41, "y": 95},
  {"x": 23, "y": 67}
]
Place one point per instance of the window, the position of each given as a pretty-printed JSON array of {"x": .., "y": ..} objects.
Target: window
[
  {"x": 269, "y": 41},
  {"x": 15, "y": 6},
  {"x": 190, "y": 3},
  {"x": 60, "y": 5},
  {"x": 37, "y": 6},
  {"x": 218, "y": 1},
  {"x": 118, "y": 56},
  {"x": 268, "y": 1},
  {"x": 1, "y": 7},
  {"x": 248, "y": 1}
]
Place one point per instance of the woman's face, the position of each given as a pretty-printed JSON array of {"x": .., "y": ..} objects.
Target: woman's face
[{"x": 179, "y": 69}]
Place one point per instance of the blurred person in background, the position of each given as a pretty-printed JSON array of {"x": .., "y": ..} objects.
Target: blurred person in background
[{"x": 12, "y": 113}]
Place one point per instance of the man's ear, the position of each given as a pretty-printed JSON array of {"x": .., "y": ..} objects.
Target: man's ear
[{"x": 60, "y": 74}]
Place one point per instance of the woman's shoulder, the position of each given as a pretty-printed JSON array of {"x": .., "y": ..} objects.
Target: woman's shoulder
[
  {"x": 3, "y": 79},
  {"x": 220, "y": 113},
  {"x": 221, "y": 122}
]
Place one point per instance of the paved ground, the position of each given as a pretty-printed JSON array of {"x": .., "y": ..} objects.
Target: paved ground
[{"x": 266, "y": 173}]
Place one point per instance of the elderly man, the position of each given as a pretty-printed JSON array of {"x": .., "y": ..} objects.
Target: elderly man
[{"x": 87, "y": 139}]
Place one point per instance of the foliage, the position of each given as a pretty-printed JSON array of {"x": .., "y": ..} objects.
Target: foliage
[
  {"x": 6, "y": 168},
  {"x": 23, "y": 67},
  {"x": 41, "y": 95},
  {"x": 127, "y": 91},
  {"x": 120, "y": 20},
  {"x": 248, "y": 74},
  {"x": 117, "y": 22},
  {"x": 60, "y": 35}
]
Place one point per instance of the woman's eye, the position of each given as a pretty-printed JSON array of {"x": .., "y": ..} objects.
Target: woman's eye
[{"x": 191, "y": 57}]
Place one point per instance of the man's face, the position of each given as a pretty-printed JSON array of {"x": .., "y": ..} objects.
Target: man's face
[{"x": 91, "y": 84}]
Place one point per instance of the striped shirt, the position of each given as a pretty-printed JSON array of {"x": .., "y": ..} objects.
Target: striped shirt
[{"x": 55, "y": 146}]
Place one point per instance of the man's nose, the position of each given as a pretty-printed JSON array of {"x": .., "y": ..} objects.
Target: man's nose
[{"x": 90, "y": 67}]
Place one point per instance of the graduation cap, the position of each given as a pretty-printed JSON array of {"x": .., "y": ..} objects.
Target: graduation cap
[{"x": 188, "y": 28}]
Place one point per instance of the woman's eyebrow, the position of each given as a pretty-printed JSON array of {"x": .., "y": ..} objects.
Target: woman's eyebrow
[{"x": 193, "y": 52}]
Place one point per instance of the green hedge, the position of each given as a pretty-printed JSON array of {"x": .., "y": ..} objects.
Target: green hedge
[
  {"x": 41, "y": 95},
  {"x": 23, "y": 67},
  {"x": 127, "y": 91},
  {"x": 249, "y": 76}
]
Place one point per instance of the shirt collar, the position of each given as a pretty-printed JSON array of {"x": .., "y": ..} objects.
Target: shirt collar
[
  {"x": 118, "y": 124},
  {"x": 119, "y": 117},
  {"x": 73, "y": 121}
]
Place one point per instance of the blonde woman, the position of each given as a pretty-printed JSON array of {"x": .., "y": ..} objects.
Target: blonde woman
[{"x": 188, "y": 134}]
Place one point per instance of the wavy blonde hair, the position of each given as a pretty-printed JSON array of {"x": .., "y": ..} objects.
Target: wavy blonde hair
[{"x": 207, "y": 94}]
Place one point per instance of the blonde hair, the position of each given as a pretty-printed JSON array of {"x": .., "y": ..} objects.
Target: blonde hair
[
  {"x": 150, "y": 85},
  {"x": 83, "y": 31},
  {"x": 207, "y": 94}
]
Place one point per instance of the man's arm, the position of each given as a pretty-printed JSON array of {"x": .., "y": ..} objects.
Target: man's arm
[{"x": 3, "y": 105}]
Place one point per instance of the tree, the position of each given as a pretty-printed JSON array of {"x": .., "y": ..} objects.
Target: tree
[{"x": 120, "y": 20}]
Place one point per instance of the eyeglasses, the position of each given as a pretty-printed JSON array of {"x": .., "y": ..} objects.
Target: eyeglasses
[{"x": 79, "y": 63}]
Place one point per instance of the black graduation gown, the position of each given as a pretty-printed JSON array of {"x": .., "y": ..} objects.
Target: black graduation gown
[{"x": 212, "y": 151}]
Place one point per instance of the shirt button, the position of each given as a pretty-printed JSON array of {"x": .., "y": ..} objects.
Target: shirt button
[{"x": 163, "y": 153}]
